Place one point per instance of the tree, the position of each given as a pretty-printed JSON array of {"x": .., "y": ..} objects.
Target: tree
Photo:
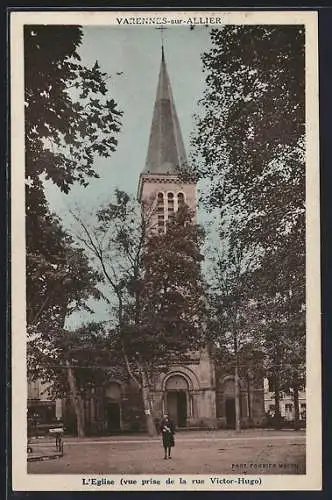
[
  {"x": 73, "y": 363},
  {"x": 70, "y": 119},
  {"x": 57, "y": 285},
  {"x": 249, "y": 143},
  {"x": 155, "y": 287},
  {"x": 69, "y": 116},
  {"x": 56, "y": 289},
  {"x": 170, "y": 318},
  {"x": 282, "y": 311},
  {"x": 233, "y": 313}
]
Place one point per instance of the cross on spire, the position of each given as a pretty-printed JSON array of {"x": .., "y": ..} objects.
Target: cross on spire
[
  {"x": 166, "y": 150},
  {"x": 162, "y": 28}
]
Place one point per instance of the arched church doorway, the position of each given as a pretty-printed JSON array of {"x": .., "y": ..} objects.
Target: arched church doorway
[
  {"x": 177, "y": 398},
  {"x": 230, "y": 412},
  {"x": 229, "y": 402},
  {"x": 113, "y": 408}
]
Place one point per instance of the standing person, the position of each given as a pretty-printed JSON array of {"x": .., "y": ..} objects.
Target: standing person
[
  {"x": 167, "y": 429},
  {"x": 57, "y": 429}
]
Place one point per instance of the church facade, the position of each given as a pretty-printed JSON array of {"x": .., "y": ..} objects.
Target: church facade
[{"x": 196, "y": 391}]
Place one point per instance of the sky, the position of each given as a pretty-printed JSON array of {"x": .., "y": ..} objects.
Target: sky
[{"x": 135, "y": 51}]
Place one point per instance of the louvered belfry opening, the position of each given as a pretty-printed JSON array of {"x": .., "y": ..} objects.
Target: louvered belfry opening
[
  {"x": 161, "y": 212},
  {"x": 171, "y": 208}
]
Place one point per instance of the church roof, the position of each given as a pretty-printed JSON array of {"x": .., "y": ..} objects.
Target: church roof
[{"x": 166, "y": 151}]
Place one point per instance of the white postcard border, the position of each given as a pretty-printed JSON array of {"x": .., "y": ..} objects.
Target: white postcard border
[{"x": 21, "y": 481}]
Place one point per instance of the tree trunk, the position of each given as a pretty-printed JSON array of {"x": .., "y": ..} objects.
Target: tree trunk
[
  {"x": 237, "y": 398},
  {"x": 277, "y": 413},
  {"x": 148, "y": 411},
  {"x": 296, "y": 407},
  {"x": 237, "y": 385},
  {"x": 145, "y": 388},
  {"x": 77, "y": 401},
  {"x": 249, "y": 398}
]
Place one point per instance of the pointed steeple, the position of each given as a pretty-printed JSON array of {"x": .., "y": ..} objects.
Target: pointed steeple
[{"x": 166, "y": 149}]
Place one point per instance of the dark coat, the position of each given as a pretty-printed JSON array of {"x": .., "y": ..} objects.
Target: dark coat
[{"x": 167, "y": 430}]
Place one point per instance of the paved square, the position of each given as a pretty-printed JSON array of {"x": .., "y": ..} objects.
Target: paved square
[{"x": 216, "y": 452}]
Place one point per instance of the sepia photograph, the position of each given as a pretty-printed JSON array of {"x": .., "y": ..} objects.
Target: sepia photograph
[{"x": 165, "y": 250}]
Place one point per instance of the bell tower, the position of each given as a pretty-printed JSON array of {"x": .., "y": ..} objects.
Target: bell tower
[
  {"x": 160, "y": 181},
  {"x": 187, "y": 391}
]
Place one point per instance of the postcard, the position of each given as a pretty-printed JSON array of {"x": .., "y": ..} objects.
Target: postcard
[{"x": 165, "y": 251}]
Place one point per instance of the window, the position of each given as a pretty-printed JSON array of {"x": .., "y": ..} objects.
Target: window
[
  {"x": 41, "y": 412},
  {"x": 271, "y": 384},
  {"x": 170, "y": 202},
  {"x": 303, "y": 411},
  {"x": 288, "y": 407},
  {"x": 160, "y": 211},
  {"x": 180, "y": 199},
  {"x": 160, "y": 199},
  {"x": 170, "y": 208}
]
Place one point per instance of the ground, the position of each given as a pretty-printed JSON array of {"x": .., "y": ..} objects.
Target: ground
[{"x": 200, "y": 452}]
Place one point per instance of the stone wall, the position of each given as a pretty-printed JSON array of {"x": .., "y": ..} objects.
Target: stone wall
[
  {"x": 198, "y": 375},
  {"x": 251, "y": 401}
]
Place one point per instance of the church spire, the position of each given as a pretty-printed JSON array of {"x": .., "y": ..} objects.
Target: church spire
[{"x": 166, "y": 151}]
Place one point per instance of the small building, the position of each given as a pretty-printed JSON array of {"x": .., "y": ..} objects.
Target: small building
[
  {"x": 287, "y": 406},
  {"x": 42, "y": 408}
]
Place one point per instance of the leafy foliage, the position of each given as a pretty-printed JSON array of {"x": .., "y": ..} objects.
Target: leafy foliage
[
  {"x": 172, "y": 295},
  {"x": 70, "y": 119},
  {"x": 249, "y": 144},
  {"x": 154, "y": 285},
  {"x": 154, "y": 279},
  {"x": 88, "y": 350},
  {"x": 57, "y": 284},
  {"x": 69, "y": 116},
  {"x": 63, "y": 133}
]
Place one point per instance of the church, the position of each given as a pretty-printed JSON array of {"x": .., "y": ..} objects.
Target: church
[{"x": 196, "y": 393}]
